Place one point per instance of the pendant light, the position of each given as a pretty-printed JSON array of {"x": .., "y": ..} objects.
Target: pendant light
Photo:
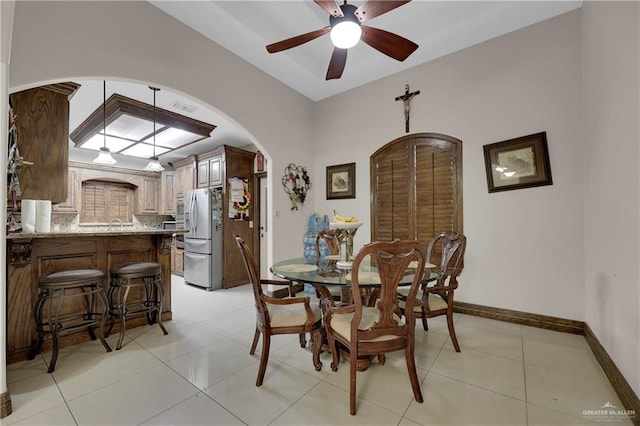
[
  {"x": 154, "y": 164},
  {"x": 104, "y": 156}
]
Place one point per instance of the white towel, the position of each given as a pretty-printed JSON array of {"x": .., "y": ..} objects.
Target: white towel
[{"x": 28, "y": 215}]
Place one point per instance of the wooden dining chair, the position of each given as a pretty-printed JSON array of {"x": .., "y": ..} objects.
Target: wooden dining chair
[
  {"x": 290, "y": 315},
  {"x": 330, "y": 240},
  {"x": 437, "y": 299},
  {"x": 376, "y": 330}
]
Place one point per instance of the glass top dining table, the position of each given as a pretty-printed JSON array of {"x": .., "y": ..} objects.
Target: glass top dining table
[{"x": 324, "y": 271}]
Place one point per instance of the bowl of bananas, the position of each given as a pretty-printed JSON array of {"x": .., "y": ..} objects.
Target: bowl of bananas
[{"x": 344, "y": 222}]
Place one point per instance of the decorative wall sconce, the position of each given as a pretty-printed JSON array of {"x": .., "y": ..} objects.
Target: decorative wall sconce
[{"x": 296, "y": 184}]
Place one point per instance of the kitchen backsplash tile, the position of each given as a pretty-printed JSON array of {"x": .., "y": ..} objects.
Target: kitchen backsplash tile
[{"x": 69, "y": 222}]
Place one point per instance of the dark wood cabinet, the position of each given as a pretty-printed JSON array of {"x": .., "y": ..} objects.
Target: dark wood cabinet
[
  {"x": 217, "y": 167},
  {"x": 30, "y": 255},
  {"x": 42, "y": 127},
  {"x": 236, "y": 163}
]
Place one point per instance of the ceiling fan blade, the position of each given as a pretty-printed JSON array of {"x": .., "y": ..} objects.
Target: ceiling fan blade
[
  {"x": 337, "y": 63},
  {"x": 371, "y": 9},
  {"x": 399, "y": 48},
  {"x": 331, "y": 6},
  {"x": 297, "y": 40}
]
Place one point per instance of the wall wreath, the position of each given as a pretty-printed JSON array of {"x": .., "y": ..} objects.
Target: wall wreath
[{"x": 296, "y": 184}]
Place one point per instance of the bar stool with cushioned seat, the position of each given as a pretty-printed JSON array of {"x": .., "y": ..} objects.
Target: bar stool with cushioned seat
[
  {"x": 126, "y": 276},
  {"x": 58, "y": 287}
]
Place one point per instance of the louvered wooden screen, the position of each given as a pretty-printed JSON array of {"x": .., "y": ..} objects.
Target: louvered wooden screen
[
  {"x": 416, "y": 185},
  {"x": 391, "y": 193},
  {"x": 103, "y": 201}
]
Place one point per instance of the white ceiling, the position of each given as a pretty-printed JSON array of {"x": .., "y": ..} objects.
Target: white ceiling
[
  {"x": 438, "y": 27},
  {"x": 246, "y": 27}
]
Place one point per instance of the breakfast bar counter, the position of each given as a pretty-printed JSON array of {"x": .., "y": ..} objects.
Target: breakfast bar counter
[{"x": 31, "y": 255}]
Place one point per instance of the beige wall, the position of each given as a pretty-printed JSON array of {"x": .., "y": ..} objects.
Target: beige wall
[
  {"x": 523, "y": 245},
  {"x": 54, "y": 41},
  {"x": 611, "y": 50},
  {"x": 540, "y": 250}
]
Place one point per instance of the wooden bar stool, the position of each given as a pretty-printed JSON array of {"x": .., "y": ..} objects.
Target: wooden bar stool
[
  {"x": 126, "y": 276},
  {"x": 51, "y": 317}
]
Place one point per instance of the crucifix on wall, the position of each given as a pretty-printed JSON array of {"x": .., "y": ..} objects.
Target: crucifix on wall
[{"x": 406, "y": 100}]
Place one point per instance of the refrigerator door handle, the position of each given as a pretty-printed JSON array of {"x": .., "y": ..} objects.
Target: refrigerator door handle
[{"x": 193, "y": 212}]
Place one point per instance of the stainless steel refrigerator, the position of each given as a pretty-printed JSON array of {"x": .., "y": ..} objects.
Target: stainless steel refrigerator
[{"x": 203, "y": 242}]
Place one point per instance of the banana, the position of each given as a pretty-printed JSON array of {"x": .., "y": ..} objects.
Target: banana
[{"x": 340, "y": 218}]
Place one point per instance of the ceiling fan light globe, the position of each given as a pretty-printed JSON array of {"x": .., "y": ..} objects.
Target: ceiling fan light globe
[{"x": 345, "y": 34}]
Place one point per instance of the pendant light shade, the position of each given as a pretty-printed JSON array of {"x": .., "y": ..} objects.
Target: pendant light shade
[
  {"x": 154, "y": 164},
  {"x": 104, "y": 156}
]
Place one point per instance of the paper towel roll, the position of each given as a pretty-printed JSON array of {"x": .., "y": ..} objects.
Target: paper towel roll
[
  {"x": 43, "y": 216},
  {"x": 28, "y": 215}
]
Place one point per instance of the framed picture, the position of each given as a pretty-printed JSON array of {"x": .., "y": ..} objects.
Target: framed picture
[
  {"x": 518, "y": 163},
  {"x": 341, "y": 181}
]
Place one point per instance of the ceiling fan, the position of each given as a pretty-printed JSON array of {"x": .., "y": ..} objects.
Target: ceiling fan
[{"x": 345, "y": 22}]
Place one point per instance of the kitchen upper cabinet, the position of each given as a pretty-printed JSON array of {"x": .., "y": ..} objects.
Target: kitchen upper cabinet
[
  {"x": 168, "y": 193},
  {"x": 210, "y": 172},
  {"x": 203, "y": 174},
  {"x": 215, "y": 171},
  {"x": 148, "y": 196},
  {"x": 42, "y": 127},
  {"x": 185, "y": 175},
  {"x": 70, "y": 204}
]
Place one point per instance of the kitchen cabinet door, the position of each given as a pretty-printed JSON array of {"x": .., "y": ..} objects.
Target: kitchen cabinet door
[
  {"x": 69, "y": 205},
  {"x": 215, "y": 171},
  {"x": 203, "y": 174},
  {"x": 147, "y": 196},
  {"x": 185, "y": 175},
  {"x": 168, "y": 193},
  {"x": 42, "y": 125}
]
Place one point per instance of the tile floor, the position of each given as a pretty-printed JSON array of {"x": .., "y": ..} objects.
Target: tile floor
[{"x": 202, "y": 374}]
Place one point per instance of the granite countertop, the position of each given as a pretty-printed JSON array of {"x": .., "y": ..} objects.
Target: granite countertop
[{"x": 105, "y": 233}]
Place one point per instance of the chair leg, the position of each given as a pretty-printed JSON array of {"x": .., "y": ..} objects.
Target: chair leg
[
  {"x": 123, "y": 314},
  {"x": 335, "y": 353},
  {"x": 452, "y": 330},
  {"x": 303, "y": 340},
  {"x": 54, "y": 324},
  {"x": 424, "y": 323},
  {"x": 264, "y": 358},
  {"x": 316, "y": 347},
  {"x": 160, "y": 300},
  {"x": 89, "y": 299},
  {"x": 256, "y": 337},
  {"x": 413, "y": 375},
  {"x": 35, "y": 350},
  {"x": 103, "y": 320},
  {"x": 352, "y": 381}
]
